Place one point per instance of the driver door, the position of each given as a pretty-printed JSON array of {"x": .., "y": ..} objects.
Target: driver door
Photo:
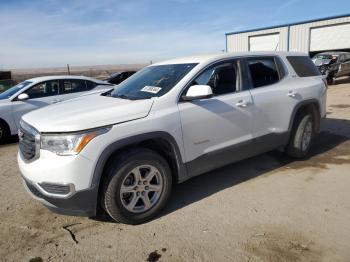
[
  {"x": 218, "y": 130},
  {"x": 40, "y": 95}
]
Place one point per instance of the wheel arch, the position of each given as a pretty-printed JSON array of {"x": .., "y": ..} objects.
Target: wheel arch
[
  {"x": 4, "y": 122},
  {"x": 310, "y": 105},
  {"x": 160, "y": 142}
]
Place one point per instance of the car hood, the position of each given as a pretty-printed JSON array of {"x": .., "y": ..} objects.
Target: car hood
[
  {"x": 87, "y": 112},
  {"x": 5, "y": 101}
]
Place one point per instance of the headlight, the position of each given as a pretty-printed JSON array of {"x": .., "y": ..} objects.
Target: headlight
[{"x": 69, "y": 144}]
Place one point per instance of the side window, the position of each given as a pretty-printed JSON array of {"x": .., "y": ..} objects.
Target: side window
[
  {"x": 73, "y": 86},
  {"x": 303, "y": 66},
  {"x": 263, "y": 71},
  {"x": 222, "y": 78},
  {"x": 90, "y": 85},
  {"x": 44, "y": 89}
]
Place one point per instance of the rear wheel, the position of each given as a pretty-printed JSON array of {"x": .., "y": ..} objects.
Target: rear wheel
[
  {"x": 4, "y": 132},
  {"x": 137, "y": 186},
  {"x": 302, "y": 136}
]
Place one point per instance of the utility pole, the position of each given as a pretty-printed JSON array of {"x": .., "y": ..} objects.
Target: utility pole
[{"x": 68, "y": 69}]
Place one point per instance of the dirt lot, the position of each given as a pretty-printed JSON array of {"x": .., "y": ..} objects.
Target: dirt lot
[{"x": 267, "y": 208}]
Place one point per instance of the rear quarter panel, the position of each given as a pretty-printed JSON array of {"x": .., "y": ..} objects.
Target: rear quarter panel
[{"x": 312, "y": 88}]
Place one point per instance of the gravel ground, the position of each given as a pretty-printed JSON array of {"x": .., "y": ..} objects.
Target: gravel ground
[{"x": 267, "y": 208}]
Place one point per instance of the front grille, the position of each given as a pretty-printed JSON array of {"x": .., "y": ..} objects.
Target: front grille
[{"x": 27, "y": 144}]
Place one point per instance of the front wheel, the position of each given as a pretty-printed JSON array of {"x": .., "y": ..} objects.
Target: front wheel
[
  {"x": 137, "y": 186},
  {"x": 302, "y": 136}
]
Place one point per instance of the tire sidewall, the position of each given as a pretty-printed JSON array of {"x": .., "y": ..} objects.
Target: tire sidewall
[
  {"x": 299, "y": 130},
  {"x": 112, "y": 201}
]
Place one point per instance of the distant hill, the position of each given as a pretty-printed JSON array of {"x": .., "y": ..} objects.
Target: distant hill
[{"x": 96, "y": 71}]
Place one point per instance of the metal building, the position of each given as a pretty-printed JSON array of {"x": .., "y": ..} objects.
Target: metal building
[{"x": 312, "y": 36}]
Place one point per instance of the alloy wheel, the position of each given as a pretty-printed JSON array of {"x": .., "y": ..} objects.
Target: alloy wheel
[{"x": 141, "y": 188}]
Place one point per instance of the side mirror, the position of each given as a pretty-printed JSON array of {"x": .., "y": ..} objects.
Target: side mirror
[
  {"x": 22, "y": 97},
  {"x": 198, "y": 92}
]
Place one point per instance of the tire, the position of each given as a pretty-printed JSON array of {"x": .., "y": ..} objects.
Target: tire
[
  {"x": 303, "y": 133},
  {"x": 4, "y": 132},
  {"x": 129, "y": 207}
]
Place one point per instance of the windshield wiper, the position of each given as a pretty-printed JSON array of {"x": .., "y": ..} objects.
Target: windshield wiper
[
  {"x": 108, "y": 93},
  {"x": 123, "y": 96}
]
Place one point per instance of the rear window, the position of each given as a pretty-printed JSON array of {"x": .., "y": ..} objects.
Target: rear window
[{"x": 303, "y": 66}]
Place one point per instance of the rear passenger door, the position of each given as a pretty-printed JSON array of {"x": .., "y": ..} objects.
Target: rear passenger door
[
  {"x": 342, "y": 71},
  {"x": 346, "y": 65},
  {"x": 274, "y": 97}
]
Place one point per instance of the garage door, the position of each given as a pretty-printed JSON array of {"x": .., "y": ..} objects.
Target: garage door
[
  {"x": 264, "y": 42},
  {"x": 330, "y": 37}
]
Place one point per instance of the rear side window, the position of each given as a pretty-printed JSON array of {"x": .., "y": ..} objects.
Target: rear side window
[
  {"x": 263, "y": 71},
  {"x": 73, "y": 86},
  {"x": 90, "y": 85},
  {"x": 303, "y": 66}
]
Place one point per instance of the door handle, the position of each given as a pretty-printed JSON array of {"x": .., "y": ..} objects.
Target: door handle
[
  {"x": 241, "y": 103},
  {"x": 55, "y": 101},
  {"x": 292, "y": 94}
]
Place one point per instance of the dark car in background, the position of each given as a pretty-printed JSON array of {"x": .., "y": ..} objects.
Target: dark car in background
[
  {"x": 333, "y": 65},
  {"x": 119, "y": 77}
]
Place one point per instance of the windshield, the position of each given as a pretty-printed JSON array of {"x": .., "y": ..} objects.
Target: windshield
[
  {"x": 13, "y": 90},
  {"x": 323, "y": 57},
  {"x": 152, "y": 81}
]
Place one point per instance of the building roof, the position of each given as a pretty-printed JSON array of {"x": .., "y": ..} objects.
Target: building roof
[{"x": 290, "y": 24}]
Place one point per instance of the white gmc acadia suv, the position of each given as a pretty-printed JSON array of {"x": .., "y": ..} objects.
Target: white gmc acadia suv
[{"x": 120, "y": 151}]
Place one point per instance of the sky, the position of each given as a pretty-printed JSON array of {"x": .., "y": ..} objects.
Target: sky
[{"x": 50, "y": 33}]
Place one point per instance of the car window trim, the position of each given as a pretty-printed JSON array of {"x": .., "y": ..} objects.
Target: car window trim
[
  {"x": 277, "y": 67},
  {"x": 39, "y": 84},
  {"x": 225, "y": 60}
]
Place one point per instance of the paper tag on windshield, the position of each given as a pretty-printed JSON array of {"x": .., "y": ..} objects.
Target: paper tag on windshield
[{"x": 151, "y": 89}]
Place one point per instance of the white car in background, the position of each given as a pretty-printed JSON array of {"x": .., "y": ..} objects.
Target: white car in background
[{"x": 38, "y": 92}]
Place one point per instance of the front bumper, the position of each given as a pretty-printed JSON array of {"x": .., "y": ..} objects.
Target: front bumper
[
  {"x": 82, "y": 203},
  {"x": 63, "y": 184}
]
